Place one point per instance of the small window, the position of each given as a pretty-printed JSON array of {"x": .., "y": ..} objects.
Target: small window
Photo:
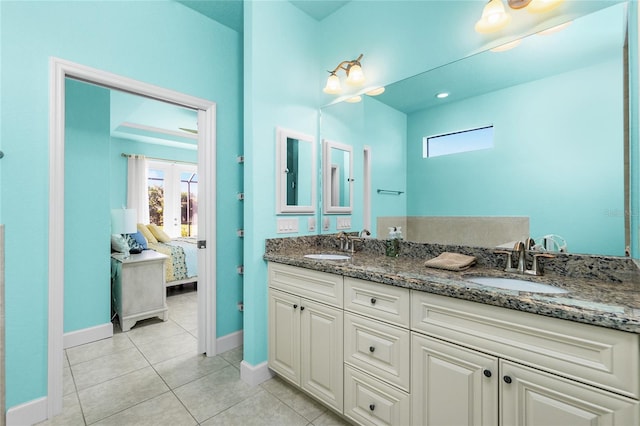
[{"x": 457, "y": 142}]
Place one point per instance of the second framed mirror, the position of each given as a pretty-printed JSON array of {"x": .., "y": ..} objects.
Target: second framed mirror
[
  {"x": 337, "y": 177},
  {"x": 295, "y": 173}
]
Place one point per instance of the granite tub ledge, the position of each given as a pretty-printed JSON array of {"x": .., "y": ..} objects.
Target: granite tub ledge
[{"x": 610, "y": 304}]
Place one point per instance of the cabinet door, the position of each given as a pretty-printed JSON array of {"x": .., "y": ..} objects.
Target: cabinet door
[
  {"x": 536, "y": 398},
  {"x": 452, "y": 385},
  {"x": 321, "y": 340},
  {"x": 284, "y": 334}
]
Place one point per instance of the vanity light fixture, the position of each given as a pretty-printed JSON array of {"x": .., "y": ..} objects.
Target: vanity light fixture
[
  {"x": 355, "y": 76},
  {"x": 555, "y": 29},
  {"x": 375, "y": 92},
  {"x": 494, "y": 18},
  {"x": 507, "y": 46}
]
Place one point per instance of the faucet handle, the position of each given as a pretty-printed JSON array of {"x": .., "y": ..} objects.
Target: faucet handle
[
  {"x": 508, "y": 267},
  {"x": 534, "y": 266}
]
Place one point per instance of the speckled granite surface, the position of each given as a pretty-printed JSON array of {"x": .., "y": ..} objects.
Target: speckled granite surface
[{"x": 603, "y": 291}]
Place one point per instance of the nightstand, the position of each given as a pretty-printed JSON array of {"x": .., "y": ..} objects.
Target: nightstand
[{"x": 138, "y": 287}]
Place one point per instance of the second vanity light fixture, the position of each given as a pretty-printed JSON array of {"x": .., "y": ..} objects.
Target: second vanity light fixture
[
  {"x": 355, "y": 76},
  {"x": 495, "y": 17}
]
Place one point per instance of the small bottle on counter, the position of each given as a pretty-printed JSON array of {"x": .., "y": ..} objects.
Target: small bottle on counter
[{"x": 393, "y": 242}]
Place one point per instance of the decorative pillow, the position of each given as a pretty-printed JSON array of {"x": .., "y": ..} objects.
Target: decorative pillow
[
  {"x": 140, "y": 239},
  {"x": 147, "y": 233},
  {"x": 134, "y": 246},
  {"x": 119, "y": 244},
  {"x": 159, "y": 233}
]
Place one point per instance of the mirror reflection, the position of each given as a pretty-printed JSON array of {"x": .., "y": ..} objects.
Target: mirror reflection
[
  {"x": 556, "y": 104},
  {"x": 338, "y": 178},
  {"x": 295, "y": 178}
]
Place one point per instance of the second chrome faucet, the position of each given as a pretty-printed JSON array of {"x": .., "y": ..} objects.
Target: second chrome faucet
[{"x": 521, "y": 248}]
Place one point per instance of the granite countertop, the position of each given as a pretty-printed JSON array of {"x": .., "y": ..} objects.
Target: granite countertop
[{"x": 605, "y": 303}]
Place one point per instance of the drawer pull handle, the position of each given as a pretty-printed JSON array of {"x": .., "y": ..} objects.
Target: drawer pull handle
[
  {"x": 373, "y": 300},
  {"x": 302, "y": 308},
  {"x": 372, "y": 349},
  {"x": 372, "y": 407},
  {"x": 295, "y": 306},
  {"x": 487, "y": 373},
  {"x": 507, "y": 379}
]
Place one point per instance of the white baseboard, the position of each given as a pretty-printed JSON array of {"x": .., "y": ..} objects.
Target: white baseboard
[
  {"x": 87, "y": 335},
  {"x": 230, "y": 341},
  {"x": 254, "y": 374},
  {"x": 27, "y": 414}
]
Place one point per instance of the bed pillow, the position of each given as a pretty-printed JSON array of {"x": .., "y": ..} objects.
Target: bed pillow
[
  {"x": 119, "y": 244},
  {"x": 147, "y": 233},
  {"x": 140, "y": 239},
  {"x": 159, "y": 233},
  {"x": 134, "y": 245}
]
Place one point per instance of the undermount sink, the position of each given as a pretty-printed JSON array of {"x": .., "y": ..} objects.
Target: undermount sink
[
  {"x": 516, "y": 284},
  {"x": 323, "y": 256}
]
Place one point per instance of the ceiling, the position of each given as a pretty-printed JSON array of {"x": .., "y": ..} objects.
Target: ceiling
[{"x": 230, "y": 12}]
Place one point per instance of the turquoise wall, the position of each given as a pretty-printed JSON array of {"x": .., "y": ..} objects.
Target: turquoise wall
[
  {"x": 560, "y": 168},
  {"x": 87, "y": 284},
  {"x": 280, "y": 60},
  {"x": 192, "y": 54}
]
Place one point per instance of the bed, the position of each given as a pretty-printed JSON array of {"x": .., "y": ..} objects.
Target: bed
[{"x": 182, "y": 268}]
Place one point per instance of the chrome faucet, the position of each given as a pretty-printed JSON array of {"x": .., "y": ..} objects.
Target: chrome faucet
[
  {"x": 366, "y": 232},
  {"x": 521, "y": 248},
  {"x": 343, "y": 241}
]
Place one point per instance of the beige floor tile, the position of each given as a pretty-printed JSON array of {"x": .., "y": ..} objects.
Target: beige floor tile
[
  {"x": 98, "y": 370},
  {"x": 163, "y": 349},
  {"x": 185, "y": 319},
  {"x": 71, "y": 413},
  {"x": 257, "y": 410},
  {"x": 306, "y": 406},
  {"x": 68, "y": 386},
  {"x": 145, "y": 332},
  {"x": 329, "y": 418},
  {"x": 234, "y": 356},
  {"x": 163, "y": 410},
  {"x": 108, "y": 398},
  {"x": 188, "y": 367},
  {"x": 97, "y": 349},
  {"x": 212, "y": 394}
]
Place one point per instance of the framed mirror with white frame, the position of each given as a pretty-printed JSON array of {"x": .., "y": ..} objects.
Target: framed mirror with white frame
[
  {"x": 295, "y": 172},
  {"x": 337, "y": 177}
]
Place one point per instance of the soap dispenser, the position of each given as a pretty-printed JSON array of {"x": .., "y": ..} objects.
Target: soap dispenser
[{"x": 393, "y": 242}]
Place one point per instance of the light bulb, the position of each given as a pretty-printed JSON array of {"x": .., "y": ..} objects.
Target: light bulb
[
  {"x": 355, "y": 75},
  {"x": 333, "y": 85},
  {"x": 494, "y": 18}
]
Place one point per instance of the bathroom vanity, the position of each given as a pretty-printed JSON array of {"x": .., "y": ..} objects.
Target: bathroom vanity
[{"x": 388, "y": 341}]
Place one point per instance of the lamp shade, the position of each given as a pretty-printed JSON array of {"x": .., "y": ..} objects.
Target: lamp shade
[
  {"x": 355, "y": 76},
  {"x": 333, "y": 85},
  {"x": 123, "y": 221},
  {"x": 494, "y": 18}
]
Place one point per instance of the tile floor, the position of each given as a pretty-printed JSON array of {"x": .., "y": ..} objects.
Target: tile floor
[{"x": 152, "y": 375}]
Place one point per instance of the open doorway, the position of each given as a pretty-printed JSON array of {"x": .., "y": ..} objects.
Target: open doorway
[{"x": 60, "y": 71}]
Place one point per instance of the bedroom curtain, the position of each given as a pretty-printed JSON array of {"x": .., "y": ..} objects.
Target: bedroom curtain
[{"x": 137, "y": 190}]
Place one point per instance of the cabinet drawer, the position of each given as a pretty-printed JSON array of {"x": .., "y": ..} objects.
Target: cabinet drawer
[
  {"x": 380, "y": 301},
  {"x": 319, "y": 286},
  {"x": 378, "y": 348},
  {"x": 596, "y": 355},
  {"x": 369, "y": 401}
]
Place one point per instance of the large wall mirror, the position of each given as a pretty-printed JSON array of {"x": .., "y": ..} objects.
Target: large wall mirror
[
  {"x": 337, "y": 181},
  {"x": 557, "y": 106},
  {"x": 295, "y": 172}
]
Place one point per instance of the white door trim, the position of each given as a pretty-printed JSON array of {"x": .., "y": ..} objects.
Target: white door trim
[{"x": 59, "y": 70}]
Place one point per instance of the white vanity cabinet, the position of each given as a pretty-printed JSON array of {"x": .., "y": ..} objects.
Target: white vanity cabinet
[
  {"x": 549, "y": 371},
  {"x": 376, "y": 353},
  {"x": 306, "y": 330}
]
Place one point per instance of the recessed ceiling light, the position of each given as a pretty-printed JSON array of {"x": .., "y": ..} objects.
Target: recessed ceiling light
[
  {"x": 375, "y": 92},
  {"x": 442, "y": 95}
]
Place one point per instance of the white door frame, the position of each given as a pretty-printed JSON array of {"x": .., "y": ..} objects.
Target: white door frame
[{"x": 59, "y": 70}]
